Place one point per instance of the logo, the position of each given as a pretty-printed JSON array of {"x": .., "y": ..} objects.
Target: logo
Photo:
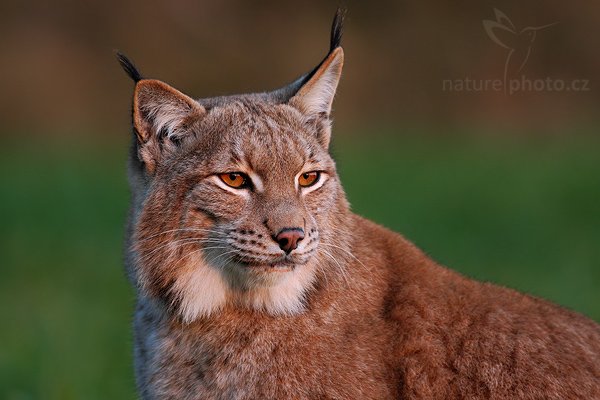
[{"x": 518, "y": 42}]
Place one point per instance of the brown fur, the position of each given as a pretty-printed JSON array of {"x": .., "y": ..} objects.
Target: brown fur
[{"x": 355, "y": 312}]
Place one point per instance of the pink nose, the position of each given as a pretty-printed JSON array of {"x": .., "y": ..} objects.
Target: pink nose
[{"x": 288, "y": 239}]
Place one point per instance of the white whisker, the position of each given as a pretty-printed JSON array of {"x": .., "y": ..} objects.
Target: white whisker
[
  {"x": 341, "y": 268},
  {"x": 180, "y": 243},
  {"x": 199, "y": 250},
  {"x": 347, "y": 252},
  {"x": 179, "y": 230}
]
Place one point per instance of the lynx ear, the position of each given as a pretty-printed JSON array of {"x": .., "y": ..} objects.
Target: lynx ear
[
  {"x": 160, "y": 111},
  {"x": 162, "y": 115},
  {"x": 316, "y": 96},
  {"x": 317, "y": 89}
]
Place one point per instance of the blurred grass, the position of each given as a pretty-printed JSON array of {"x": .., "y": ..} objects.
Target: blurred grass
[
  {"x": 65, "y": 300},
  {"x": 520, "y": 212}
]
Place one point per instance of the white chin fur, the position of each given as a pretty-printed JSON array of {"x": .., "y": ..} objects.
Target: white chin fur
[{"x": 203, "y": 290}]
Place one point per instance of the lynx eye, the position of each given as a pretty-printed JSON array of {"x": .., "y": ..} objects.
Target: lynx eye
[
  {"x": 308, "y": 178},
  {"x": 236, "y": 180}
]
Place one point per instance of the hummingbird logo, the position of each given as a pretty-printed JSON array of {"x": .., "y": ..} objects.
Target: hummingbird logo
[{"x": 518, "y": 42}]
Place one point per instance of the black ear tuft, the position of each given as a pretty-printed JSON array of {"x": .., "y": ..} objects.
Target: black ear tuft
[
  {"x": 128, "y": 67},
  {"x": 285, "y": 93},
  {"x": 336, "y": 29}
]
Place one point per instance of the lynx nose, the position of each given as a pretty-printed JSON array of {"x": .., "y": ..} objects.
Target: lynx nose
[{"x": 288, "y": 238}]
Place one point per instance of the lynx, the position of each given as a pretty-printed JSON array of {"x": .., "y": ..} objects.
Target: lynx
[{"x": 254, "y": 279}]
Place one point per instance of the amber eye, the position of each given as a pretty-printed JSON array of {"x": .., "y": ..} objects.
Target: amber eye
[
  {"x": 308, "y": 178},
  {"x": 236, "y": 180}
]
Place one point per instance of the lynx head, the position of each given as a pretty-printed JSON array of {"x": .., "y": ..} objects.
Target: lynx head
[{"x": 236, "y": 200}]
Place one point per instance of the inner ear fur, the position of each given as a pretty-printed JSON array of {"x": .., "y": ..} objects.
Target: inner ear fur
[
  {"x": 315, "y": 97},
  {"x": 161, "y": 110},
  {"x": 161, "y": 116}
]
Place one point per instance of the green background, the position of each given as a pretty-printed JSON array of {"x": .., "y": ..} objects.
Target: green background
[{"x": 520, "y": 212}]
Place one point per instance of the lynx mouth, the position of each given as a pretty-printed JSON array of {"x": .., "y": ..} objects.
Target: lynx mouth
[
  {"x": 287, "y": 263},
  {"x": 282, "y": 266}
]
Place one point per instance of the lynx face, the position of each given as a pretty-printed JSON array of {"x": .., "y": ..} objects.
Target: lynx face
[
  {"x": 253, "y": 184},
  {"x": 237, "y": 196}
]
